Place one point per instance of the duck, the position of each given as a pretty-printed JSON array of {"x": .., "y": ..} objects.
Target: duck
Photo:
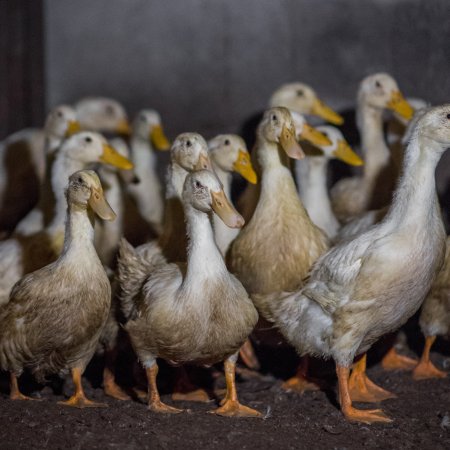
[
  {"x": 311, "y": 176},
  {"x": 147, "y": 136},
  {"x": 229, "y": 154},
  {"x": 60, "y": 124},
  {"x": 276, "y": 248},
  {"x": 103, "y": 115},
  {"x": 199, "y": 314},
  {"x": 373, "y": 189},
  {"x": 54, "y": 316},
  {"x": 298, "y": 98},
  {"x": 434, "y": 320},
  {"x": 23, "y": 254},
  {"x": 362, "y": 289},
  {"x": 23, "y": 164},
  {"x": 189, "y": 152}
]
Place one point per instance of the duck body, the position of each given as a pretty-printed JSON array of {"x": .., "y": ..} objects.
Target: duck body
[
  {"x": 54, "y": 316},
  {"x": 371, "y": 285}
]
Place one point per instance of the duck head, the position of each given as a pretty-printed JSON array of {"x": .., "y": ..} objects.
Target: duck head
[
  {"x": 203, "y": 190},
  {"x": 102, "y": 115},
  {"x": 433, "y": 124},
  {"x": 230, "y": 153},
  {"x": 301, "y": 98},
  {"x": 85, "y": 191},
  {"x": 61, "y": 122},
  {"x": 147, "y": 126},
  {"x": 339, "y": 148},
  {"x": 380, "y": 91},
  {"x": 89, "y": 147},
  {"x": 190, "y": 151}
]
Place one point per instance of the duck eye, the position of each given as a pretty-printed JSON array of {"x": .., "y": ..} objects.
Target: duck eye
[
  {"x": 188, "y": 143},
  {"x": 198, "y": 184},
  {"x": 448, "y": 116},
  {"x": 300, "y": 93},
  {"x": 109, "y": 110},
  {"x": 274, "y": 118},
  {"x": 59, "y": 114},
  {"x": 80, "y": 180},
  {"x": 227, "y": 142},
  {"x": 88, "y": 139},
  {"x": 377, "y": 84}
]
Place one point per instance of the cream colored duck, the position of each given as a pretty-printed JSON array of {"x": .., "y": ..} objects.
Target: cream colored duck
[
  {"x": 278, "y": 246},
  {"x": 23, "y": 254},
  {"x": 23, "y": 164},
  {"x": 189, "y": 152},
  {"x": 299, "y": 98},
  {"x": 311, "y": 175},
  {"x": 199, "y": 315},
  {"x": 435, "y": 320},
  {"x": 228, "y": 154},
  {"x": 102, "y": 114},
  {"x": 367, "y": 287},
  {"x": 148, "y": 135},
  {"x": 352, "y": 196},
  {"x": 60, "y": 124},
  {"x": 54, "y": 316}
]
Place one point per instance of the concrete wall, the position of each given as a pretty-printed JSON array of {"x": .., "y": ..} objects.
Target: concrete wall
[{"x": 206, "y": 65}]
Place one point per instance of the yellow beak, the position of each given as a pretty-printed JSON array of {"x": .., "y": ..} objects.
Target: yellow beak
[
  {"x": 345, "y": 153},
  {"x": 123, "y": 127},
  {"x": 225, "y": 210},
  {"x": 99, "y": 204},
  {"x": 114, "y": 158},
  {"x": 314, "y": 136},
  {"x": 159, "y": 139},
  {"x": 289, "y": 144},
  {"x": 320, "y": 109},
  {"x": 73, "y": 127},
  {"x": 203, "y": 163},
  {"x": 398, "y": 104},
  {"x": 243, "y": 166}
]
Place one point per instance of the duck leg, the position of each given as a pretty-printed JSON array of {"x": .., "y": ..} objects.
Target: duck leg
[
  {"x": 15, "y": 393},
  {"x": 301, "y": 382},
  {"x": 248, "y": 356},
  {"x": 361, "y": 388},
  {"x": 154, "y": 401},
  {"x": 186, "y": 391},
  {"x": 110, "y": 386},
  {"x": 394, "y": 361},
  {"x": 426, "y": 369},
  {"x": 352, "y": 414},
  {"x": 79, "y": 400},
  {"x": 231, "y": 406}
]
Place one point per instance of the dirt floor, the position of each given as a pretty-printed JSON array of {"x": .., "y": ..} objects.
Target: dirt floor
[{"x": 421, "y": 413}]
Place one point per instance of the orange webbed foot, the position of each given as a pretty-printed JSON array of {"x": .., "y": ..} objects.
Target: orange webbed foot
[
  {"x": 199, "y": 395},
  {"x": 426, "y": 369},
  {"x": 300, "y": 384},
  {"x": 112, "y": 389},
  {"x": 159, "y": 407},
  {"x": 80, "y": 401},
  {"x": 232, "y": 408},
  {"x": 394, "y": 361},
  {"x": 362, "y": 389},
  {"x": 367, "y": 416},
  {"x": 19, "y": 396}
]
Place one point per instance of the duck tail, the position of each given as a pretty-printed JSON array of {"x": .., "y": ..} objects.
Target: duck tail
[{"x": 133, "y": 268}]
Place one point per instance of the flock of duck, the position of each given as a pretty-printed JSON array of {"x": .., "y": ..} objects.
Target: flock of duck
[{"x": 333, "y": 271}]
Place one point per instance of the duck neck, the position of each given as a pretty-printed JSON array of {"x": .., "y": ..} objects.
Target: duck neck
[
  {"x": 52, "y": 143},
  {"x": 62, "y": 168},
  {"x": 225, "y": 178},
  {"x": 143, "y": 156},
  {"x": 204, "y": 259},
  {"x": 312, "y": 182},
  {"x": 79, "y": 230},
  {"x": 176, "y": 176},
  {"x": 415, "y": 199},
  {"x": 374, "y": 148}
]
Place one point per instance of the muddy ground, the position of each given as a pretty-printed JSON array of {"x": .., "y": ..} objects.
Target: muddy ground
[{"x": 421, "y": 413}]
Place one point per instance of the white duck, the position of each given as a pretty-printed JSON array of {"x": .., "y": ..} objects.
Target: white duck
[
  {"x": 148, "y": 135},
  {"x": 311, "y": 175},
  {"x": 352, "y": 196},
  {"x": 367, "y": 287},
  {"x": 229, "y": 154},
  {"x": 23, "y": 164},
  {"x": 23, "y": 254}
]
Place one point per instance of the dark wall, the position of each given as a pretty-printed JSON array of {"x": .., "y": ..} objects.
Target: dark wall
[{"x": 208, "y": 64}]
